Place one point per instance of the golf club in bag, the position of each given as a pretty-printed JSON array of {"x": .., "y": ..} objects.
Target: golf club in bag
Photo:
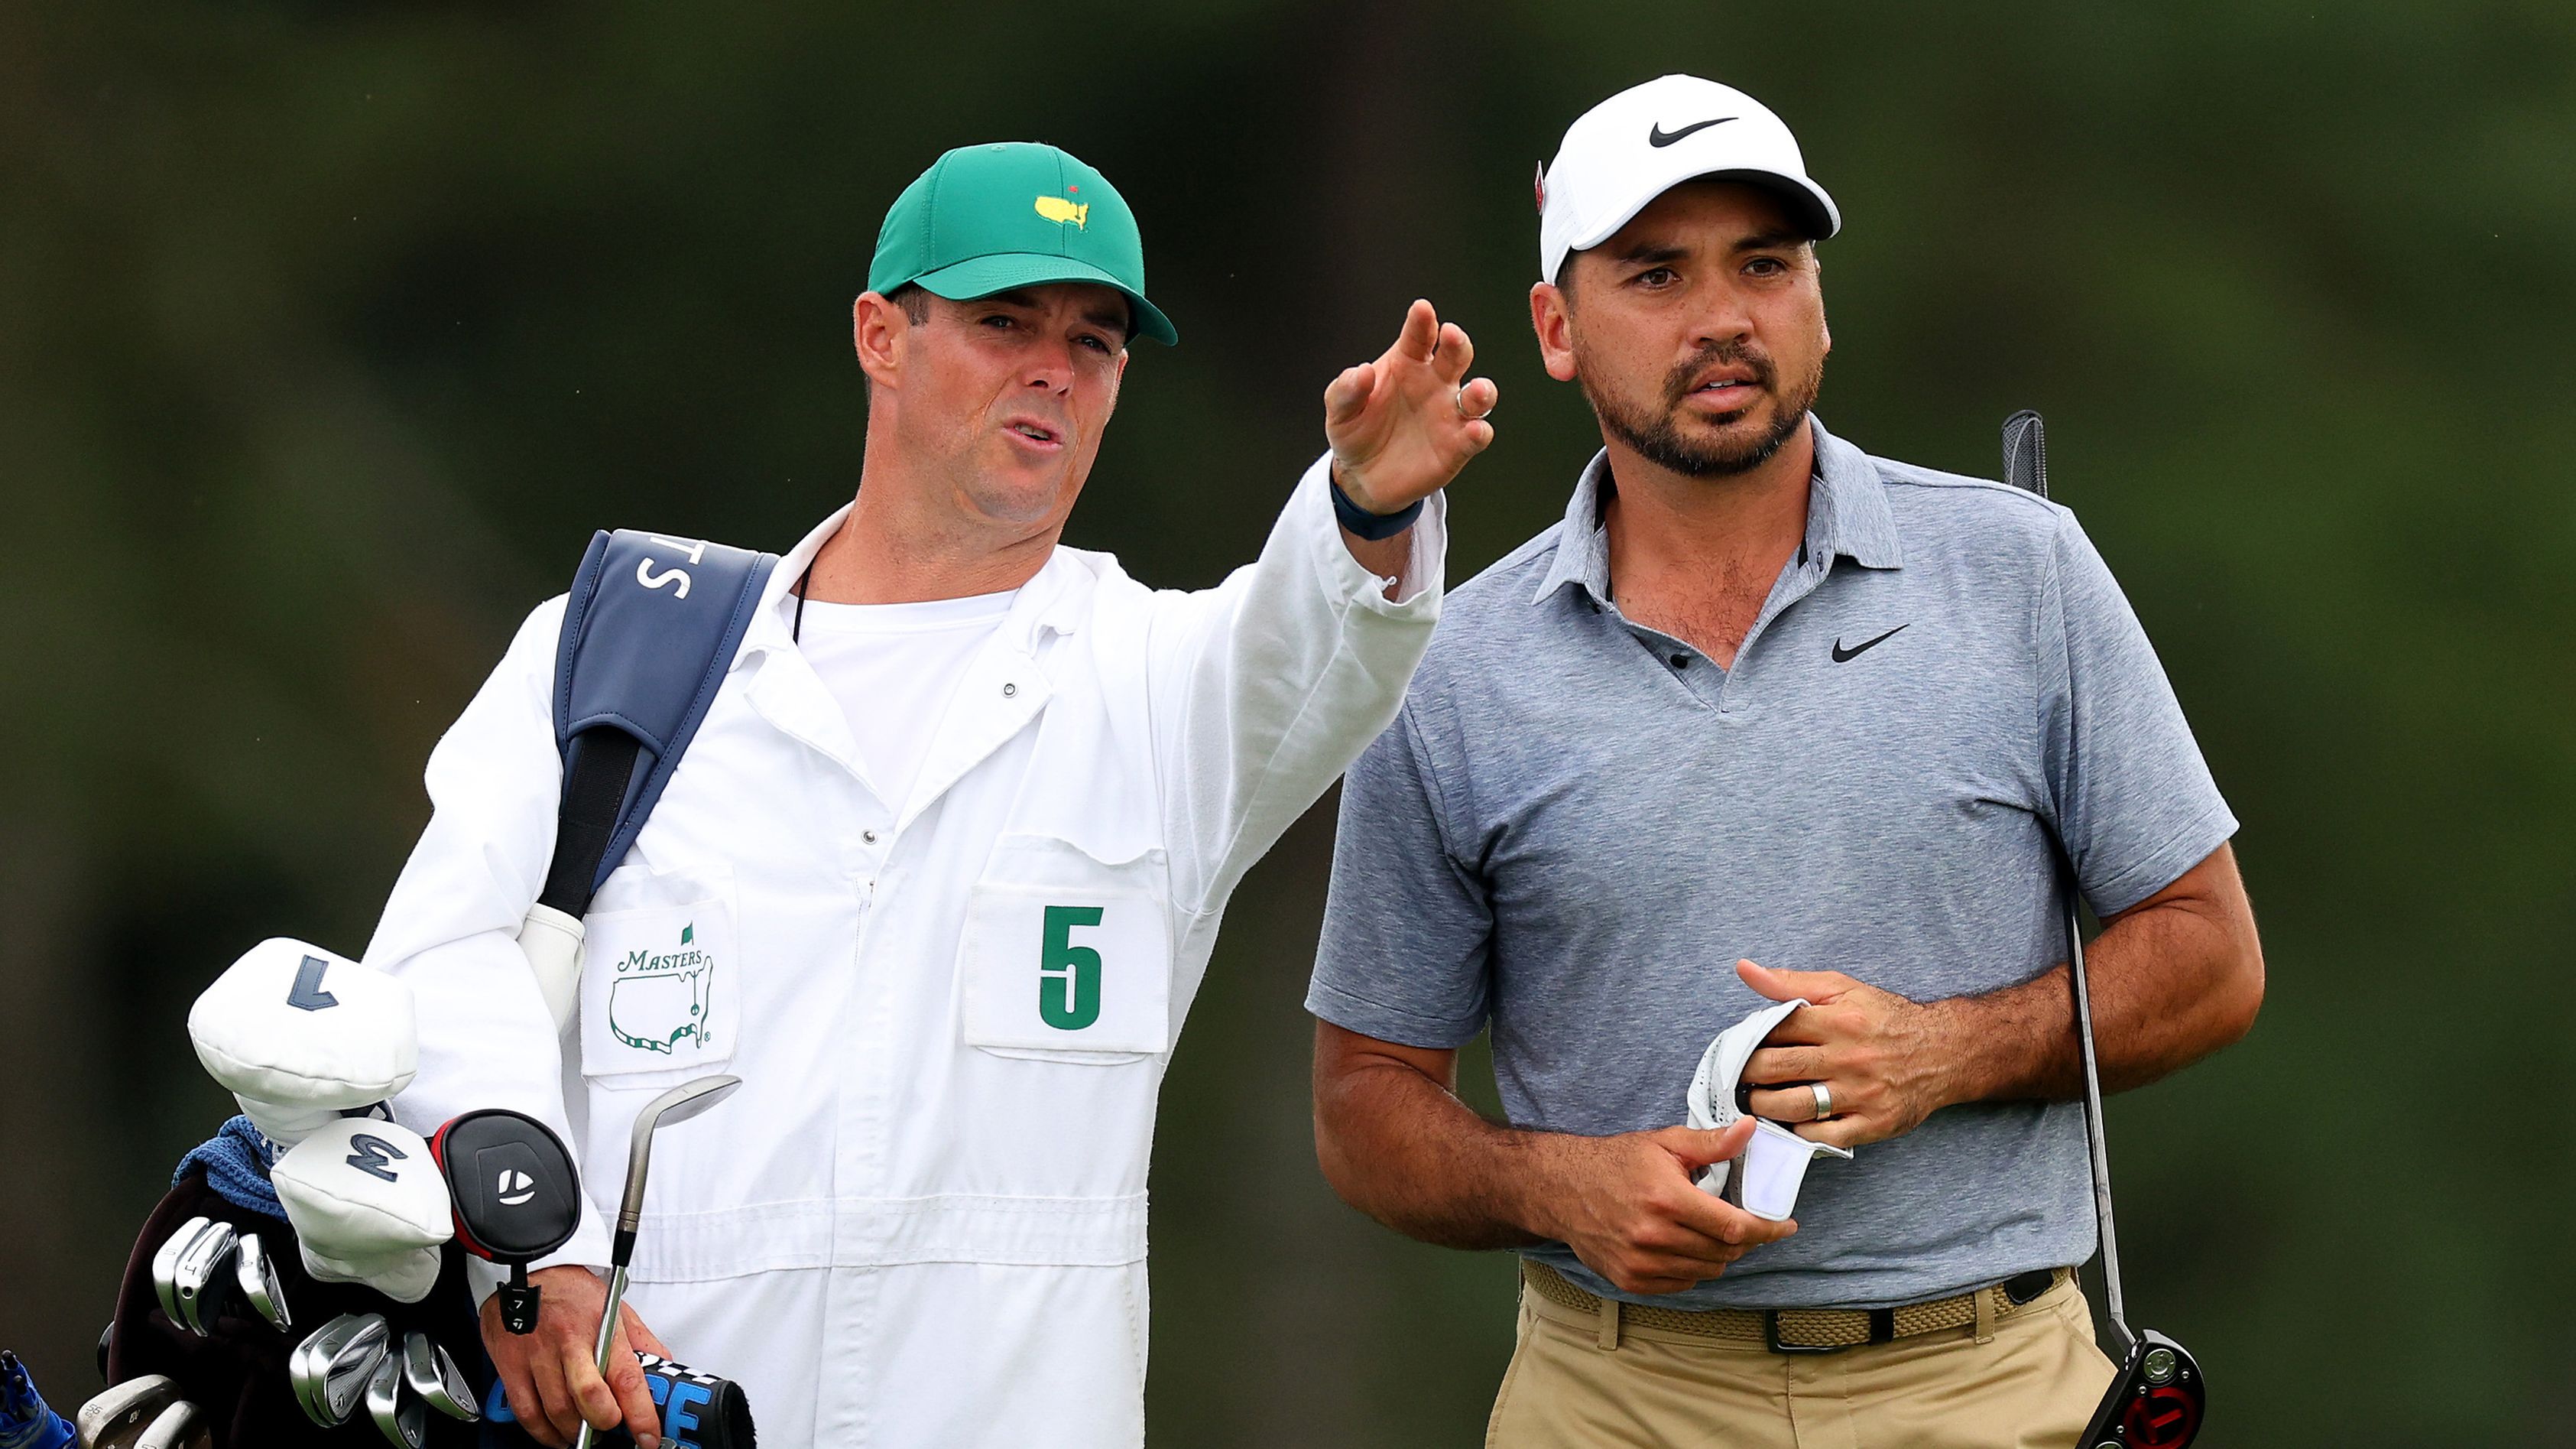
[{"x": 2158, "y": 1399}]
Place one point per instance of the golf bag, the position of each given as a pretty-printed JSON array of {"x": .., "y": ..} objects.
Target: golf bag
[{"x": 237, "y": 1373}]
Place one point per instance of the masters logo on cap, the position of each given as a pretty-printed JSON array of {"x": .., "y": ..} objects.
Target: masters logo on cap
[{"x": 986, "y": 219}]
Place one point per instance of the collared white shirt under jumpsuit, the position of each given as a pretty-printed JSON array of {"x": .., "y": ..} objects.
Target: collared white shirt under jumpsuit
[{"x": 921, "y": 1221}]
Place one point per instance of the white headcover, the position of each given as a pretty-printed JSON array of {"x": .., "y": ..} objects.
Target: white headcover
[
  {"x": 1775, "y": 1160},
  {"x": 1648, "y": 139},
  {"x": 368, "y": 1205},
  {"x": 300, "y": 1035}
]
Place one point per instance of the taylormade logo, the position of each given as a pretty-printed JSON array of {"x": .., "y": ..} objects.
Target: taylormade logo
[{"x": 515, "y": 1187}]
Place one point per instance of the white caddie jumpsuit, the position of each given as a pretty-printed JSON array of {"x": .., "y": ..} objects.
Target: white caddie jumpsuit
[{"x": 921, "y": 1221}]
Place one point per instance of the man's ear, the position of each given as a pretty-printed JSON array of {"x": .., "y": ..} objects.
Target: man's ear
[
  {"x": 1554, "y": 324},
  {"x": 879, "y": 332}
]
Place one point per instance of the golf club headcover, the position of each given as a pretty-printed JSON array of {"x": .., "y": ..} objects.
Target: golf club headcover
[
  {"x": 368, "y": 1205},
  {"x": 299, "y": 1035},
  {"x": 1775, "y": 1160}
]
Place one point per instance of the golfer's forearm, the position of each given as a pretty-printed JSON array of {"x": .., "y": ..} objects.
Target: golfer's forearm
[
  {"x": 1399, "y": 1147},
  {"x": 2170, "y": 983}
]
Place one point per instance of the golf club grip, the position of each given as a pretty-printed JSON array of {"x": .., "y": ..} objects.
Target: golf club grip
[{"x": 699, "y": 1411}]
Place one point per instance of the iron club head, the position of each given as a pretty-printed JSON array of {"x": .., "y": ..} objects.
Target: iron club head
[
  {"x": 256, "y": 1277},
  {"x": 201, "y": 1276},
  {"x": 397, "y": 1412},
  {"x": 179, "y": 1426},
  {"x": 676, "y": 1105},
  {"x": 112, "y": 1419},
  {"x": 436, "y": 1378},
  {"x": 165, "y": 1265},
  {"x": 332, "y": 1369}
]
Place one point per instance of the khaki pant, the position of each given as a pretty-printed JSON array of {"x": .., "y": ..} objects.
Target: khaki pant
[{"x": 2031, "y": 1386}]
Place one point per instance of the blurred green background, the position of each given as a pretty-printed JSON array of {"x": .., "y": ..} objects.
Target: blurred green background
[{"x": 329, "y": 331}]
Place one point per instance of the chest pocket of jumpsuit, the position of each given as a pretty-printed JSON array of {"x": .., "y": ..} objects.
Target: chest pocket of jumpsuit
[
  {"x": 1067, "y": 956},
  {"x": 660, "y": 996}
]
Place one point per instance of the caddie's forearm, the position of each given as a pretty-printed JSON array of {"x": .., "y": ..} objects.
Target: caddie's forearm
[
  {"x": 2171, "y": 983},
  {"x": 1388, "y": 558},
  {"x": 1401, "y": 1148}
]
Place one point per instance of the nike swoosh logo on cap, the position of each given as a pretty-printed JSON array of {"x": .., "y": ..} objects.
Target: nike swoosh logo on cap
[{"x": 1658, "y": 136}]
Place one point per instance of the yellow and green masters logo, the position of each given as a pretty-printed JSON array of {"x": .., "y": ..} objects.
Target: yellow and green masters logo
[{"x": 1059, "y": 209}]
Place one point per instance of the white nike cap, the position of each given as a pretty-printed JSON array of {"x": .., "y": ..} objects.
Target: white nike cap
[{"x": 1648, "y": 139}]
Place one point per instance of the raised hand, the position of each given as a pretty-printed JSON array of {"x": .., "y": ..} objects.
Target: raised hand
[{"x": 1401, "y": 427}]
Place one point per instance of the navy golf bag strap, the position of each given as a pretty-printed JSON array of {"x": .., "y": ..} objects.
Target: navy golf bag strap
[{"x": 649, "y": 634}]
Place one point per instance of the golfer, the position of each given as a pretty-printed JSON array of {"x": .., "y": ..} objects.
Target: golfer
[
  {"x": 943, "y": 866},
  {"x": 1762, "y": 697}
]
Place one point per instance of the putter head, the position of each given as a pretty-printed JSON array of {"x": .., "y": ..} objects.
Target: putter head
[
  {"x": 2157, "y": 1401},
  {"x": 398, "y": 1414},
  {"x": 437, "y": 1380},
  {"x": 676, "y": 1105},
  {"x": 165, "y": 1266},
  {"x": 116, "y": 1416},
  {"x": 179, "y": 1426},
  {"x": 255, "y": 1278},
  {"x": 203, "y": 1275}
]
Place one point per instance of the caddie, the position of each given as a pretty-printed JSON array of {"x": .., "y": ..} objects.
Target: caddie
[
  {"x": 940, "y": 873},
  {"x": 1762, "y": 697}
]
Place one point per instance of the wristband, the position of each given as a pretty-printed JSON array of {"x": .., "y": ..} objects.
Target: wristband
[{"x": 1370, "y": 526}]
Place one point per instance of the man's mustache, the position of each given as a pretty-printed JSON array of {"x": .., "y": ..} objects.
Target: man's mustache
[{"x": 1684, "y": 379}]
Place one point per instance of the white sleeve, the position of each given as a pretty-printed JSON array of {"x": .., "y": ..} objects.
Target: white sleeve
[
  {"x": 451, "y": 927},
  {"x": 1267, "y": 686}
]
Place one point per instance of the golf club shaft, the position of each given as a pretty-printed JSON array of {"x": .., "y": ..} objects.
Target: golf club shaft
[
  {"x": 607, "y": 1332},
  {"x": 2098, "y": 1145}
]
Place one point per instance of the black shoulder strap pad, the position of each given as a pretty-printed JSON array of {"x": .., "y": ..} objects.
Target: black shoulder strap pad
[{"x": 648, "y": 636}]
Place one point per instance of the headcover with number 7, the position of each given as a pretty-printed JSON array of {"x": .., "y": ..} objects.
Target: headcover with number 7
[{"x": 2159, "y": 1398}]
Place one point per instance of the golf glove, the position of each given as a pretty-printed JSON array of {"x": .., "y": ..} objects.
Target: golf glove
[
  {"x": 299, "y": 1035},
  {"x": 368, "y": 1205}
]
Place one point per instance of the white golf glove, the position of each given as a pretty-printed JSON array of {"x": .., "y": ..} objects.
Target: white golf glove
[
  {"x": 300, "y": 1035},
  {"x": 368, "y": 1205},
  {"x": 1775, "y": 1158}
]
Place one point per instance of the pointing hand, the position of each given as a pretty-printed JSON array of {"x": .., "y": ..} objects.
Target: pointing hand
[{"x": 1401, "y": 427}]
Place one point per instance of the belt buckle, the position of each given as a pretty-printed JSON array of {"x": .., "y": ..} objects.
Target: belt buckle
[{"x": 1771, "y": 1338}]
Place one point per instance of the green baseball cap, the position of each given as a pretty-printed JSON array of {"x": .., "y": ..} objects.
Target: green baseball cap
[{"x": 985, "y": 219}]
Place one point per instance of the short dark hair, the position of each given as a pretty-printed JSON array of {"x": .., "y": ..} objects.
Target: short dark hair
[{"x": 914, "y": 299}]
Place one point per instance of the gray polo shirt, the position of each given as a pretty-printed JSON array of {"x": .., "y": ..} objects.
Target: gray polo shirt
[{"x": 1577, "y": 825}]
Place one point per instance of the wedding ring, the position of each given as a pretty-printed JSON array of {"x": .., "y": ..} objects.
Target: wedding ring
[{"x": 1824, "y": 1100}]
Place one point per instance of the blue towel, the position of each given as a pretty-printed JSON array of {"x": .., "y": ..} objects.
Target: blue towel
[{"x": 236, "y": 1161}]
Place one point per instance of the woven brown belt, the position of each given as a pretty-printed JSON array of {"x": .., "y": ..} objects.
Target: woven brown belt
[{"x": 1797, "y": 1330}]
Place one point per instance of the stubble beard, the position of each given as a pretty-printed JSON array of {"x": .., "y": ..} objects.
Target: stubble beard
[{"x": 1656, "y": 433}]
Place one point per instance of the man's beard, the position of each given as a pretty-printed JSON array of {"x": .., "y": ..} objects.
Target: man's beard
[{"x": 1658, "y": 438}]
